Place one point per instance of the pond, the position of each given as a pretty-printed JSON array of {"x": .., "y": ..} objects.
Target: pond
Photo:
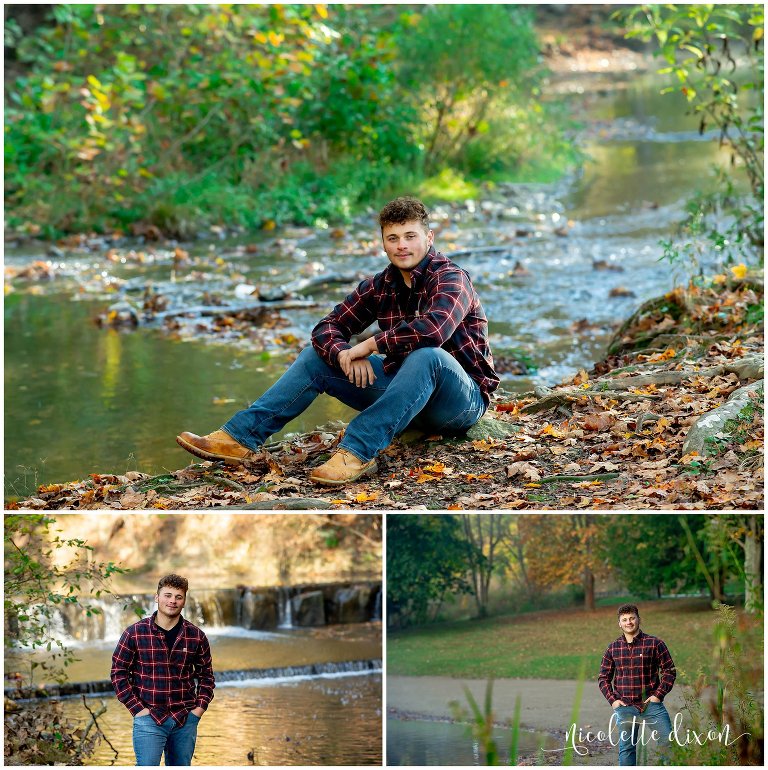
[{"x": 80, "y": 399}]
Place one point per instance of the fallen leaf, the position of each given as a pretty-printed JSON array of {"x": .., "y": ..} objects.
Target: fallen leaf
[
  {"x": 133, "y": 499},
  {"x": 523, "y": 469},
  {"x": 599, "y": 421},
  {"x": 366, "y": 497},
  {"x": 604, "y": 466},
  {"x": 571, "y": 469}
]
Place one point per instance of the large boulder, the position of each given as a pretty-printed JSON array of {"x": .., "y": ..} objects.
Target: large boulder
[
  {"x": 351, "y": 604},
  {"x": 713, "y": 422},
  {"x": 309, "y": 609},
  {"x": 258, "y": 610},
  {"x": 488, "y": 427}
]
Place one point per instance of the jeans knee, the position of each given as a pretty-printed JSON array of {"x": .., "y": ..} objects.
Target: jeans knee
[{"x": 427, "y": 357}]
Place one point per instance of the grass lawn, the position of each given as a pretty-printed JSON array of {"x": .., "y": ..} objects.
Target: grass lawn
[{"x": 554, "y": 644}]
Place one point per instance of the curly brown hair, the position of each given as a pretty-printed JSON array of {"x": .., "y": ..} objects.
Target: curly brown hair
[
  {"x": 174, "y": 581},
  {"x": 628, "y": 609},
  {"x": 404, "y": 209}
]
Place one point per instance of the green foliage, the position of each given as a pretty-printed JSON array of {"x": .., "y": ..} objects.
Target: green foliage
[
  {"x": 468, "y": 76},
  {"x": 37, "y": 585},
  {"x": 661, "y": 561},
  {"x": 426, "y": 558},
  {"x": 723, "y": 695},
  {"x": 189, "y": 115},
  {"x": 715, "y": 58}
]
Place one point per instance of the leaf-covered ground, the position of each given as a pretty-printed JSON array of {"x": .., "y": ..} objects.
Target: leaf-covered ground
[{"x": 611, "y": 438}]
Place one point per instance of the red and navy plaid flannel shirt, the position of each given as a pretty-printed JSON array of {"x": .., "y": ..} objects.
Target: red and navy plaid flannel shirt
[
  {"x": 145, "y": 674},
  {"x": 634, "y": 672},
  {"x": 441, "y": 309}
]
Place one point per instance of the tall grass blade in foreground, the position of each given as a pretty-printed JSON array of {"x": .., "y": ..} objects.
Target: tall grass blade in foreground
[
  {"x": 515, "y": 733},
  {"x": 483, "y": 727},
  {"x": 568, "y": 754}
]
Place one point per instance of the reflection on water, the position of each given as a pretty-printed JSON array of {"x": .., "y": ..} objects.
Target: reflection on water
[
  {"x": 421, "y": 742},
  {"x": 322, "y": 721}
]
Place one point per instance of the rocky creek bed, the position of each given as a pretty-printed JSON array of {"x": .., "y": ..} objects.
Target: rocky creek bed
[{"x": 649, "y": 427}]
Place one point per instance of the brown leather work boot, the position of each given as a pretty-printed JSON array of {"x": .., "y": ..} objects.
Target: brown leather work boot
[
  {"x": 217, "y": 446},
  {"x": 342, "y": 468}
]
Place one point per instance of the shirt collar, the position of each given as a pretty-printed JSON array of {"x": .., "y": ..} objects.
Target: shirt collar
[
  {"x": 153, "y": 622},
  {"x": 638, "y": 637}
]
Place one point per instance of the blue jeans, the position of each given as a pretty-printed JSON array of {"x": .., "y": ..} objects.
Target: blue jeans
[
  {"x": 151, "y": 739},
  {"x": 655, "y": 718},
  {"x": 430, "y": 386}
]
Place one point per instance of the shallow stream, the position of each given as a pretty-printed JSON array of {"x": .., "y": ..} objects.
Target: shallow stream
[{"x": 80, "y": 399}]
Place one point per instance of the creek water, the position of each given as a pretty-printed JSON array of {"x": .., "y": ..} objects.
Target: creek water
[
  {"x": 331, "y": 719},
  {"x": 80, "y": 400},
  {"x": 316, "y": 721}
]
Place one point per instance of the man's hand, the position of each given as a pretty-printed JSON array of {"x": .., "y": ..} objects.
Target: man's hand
[
  {"x": 143, "y": 713},
  {"x": 652, "y": 699},
  {"x": 358, "y": 355},
  {"x": 361, "y": 373},
  {"x": 618, "y": 702},
  {"x": 197, "y": 711}
]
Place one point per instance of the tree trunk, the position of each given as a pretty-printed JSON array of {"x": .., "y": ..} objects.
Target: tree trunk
[
  {"x": 752, "y": 570},
  {"x": 589, "y": 589}
]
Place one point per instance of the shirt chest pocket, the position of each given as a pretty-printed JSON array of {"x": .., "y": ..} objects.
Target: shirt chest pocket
[{"x": 184, "y": 653}]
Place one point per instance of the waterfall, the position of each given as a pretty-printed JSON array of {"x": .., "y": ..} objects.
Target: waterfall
[
  {"x": 257, "y": 609},
  {"x": 286, "y": 609}
]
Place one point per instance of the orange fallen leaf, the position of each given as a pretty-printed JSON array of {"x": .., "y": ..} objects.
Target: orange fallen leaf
[
  {"x": 599, "y": 421},
  {"x": 366, "y": 497}
]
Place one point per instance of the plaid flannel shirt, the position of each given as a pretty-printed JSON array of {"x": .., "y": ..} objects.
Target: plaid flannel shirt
[
  {"x": 634, "y": 672},
  {"x": 440, "y": 309},
  {"x": 145, "y": 674}
]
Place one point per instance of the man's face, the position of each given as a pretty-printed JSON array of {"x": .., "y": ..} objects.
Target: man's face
[
  {"x": 170, "y": 601},
  {"x": 629, "y": 623},
  {"x": 406, "y": 244}
]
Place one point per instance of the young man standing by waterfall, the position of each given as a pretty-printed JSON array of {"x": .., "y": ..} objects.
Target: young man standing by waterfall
[
  {"x": 636, "y": 673},
  {"x": 430, "y": 362},
  {"x": 161, "y": 672}
]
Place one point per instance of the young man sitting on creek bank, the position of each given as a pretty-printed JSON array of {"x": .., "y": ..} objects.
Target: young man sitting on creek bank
[{"x": 436, "y": 372}]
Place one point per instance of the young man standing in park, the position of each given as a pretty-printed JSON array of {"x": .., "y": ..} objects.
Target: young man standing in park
[
  {"x": 636, "y": 673},
  {"x": 161, "y": 672},
  {"x": 437, "y": 372}
]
